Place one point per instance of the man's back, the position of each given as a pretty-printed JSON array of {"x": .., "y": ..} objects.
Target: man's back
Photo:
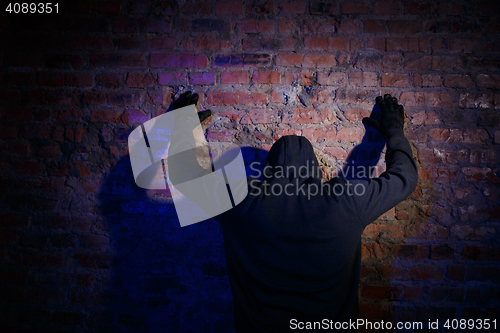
[{"x": 293, "y": 246}]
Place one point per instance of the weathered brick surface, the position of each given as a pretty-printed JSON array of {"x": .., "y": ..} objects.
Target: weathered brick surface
[{"x": 83, "y": 249}]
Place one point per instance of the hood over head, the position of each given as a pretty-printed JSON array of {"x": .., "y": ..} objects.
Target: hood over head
[{"x": 292, "y": 157}]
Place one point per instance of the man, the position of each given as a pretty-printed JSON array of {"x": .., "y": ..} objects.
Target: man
[{"x": 293, "y": 245}]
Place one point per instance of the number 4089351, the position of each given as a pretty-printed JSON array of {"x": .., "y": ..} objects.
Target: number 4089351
[{"x": 32, "y": 8}]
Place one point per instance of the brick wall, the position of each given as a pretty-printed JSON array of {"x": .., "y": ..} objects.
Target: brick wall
[{"x": 84, "y": 249}]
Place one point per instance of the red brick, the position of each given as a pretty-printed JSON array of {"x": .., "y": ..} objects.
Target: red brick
[
  {"x": 171, "y": 79},
  {"x": 373, "y": 311},
  {"x": 449, "y": 8},
  {"x": 255, "y": 26},
  {"x": 109, "y": 80},
  {"x": 429, "y": 231},
  {"x": 285, "y": 26},
  {"x": 178, "y": 60},
  {"x": 140, "y": 80},
  {"x": 293, "y": 7},
  {"x": 337, "y": 79},
  {"x": 473, "y": 101},
  {"x": 479, "y": 174},
  {"x": 354, "y": 8},
  {"x": 374, "y": 26},
  {"x": 363, "y": 79},
  {"x": 293, "y": 59},
  {"x": 456, "y": 272},
  {"x": 424, "y": 273},
  {"x": 260, "y": 9},
  {"x": 151, "y": 25},
  {"x": 364, "y": 61},
  {"x": 457, "y": 81},
  {"x": 106, "y": 7},
  {"x": 412, "y": 293},
  {"x": 469, "y": 45},
  {"x": 105, "y": 115},
  {"x": 417, "y": 8},
  {"x": 79, "y": 80},
  {"x": 442, "y": 252},
  {"x": 475, "y": 253},
  {"x": 336, "y": 152},
  {"x": 432, "y": 99},
  {"x": 242, "y": 59},
  {"x": 234, "y": 77},
  {"x": 417, "y": 62},
  {"x": 475, "y": 136},
  {"x": 376, "y": 43},
  {"x": 359, "y": 96},
  {"x": 437, "y": 44},
  {"x": 355, "y": 44},
  {"x": 302, "y": 116},
  {"x": 386, "y": 8},
  {"x": 446, "y": 135},
  {"x": 138, "y": 7},
  {"x": 398, "y": 45},
  {"x": 484, "y": 273},
  {"x": 259, "y": 43},
  {"x": 236, "y": 98},
  {"x": 374, "y": 251},
  {"x": 134, "y": 117},
  {"x": 229, "y": 8},
  {"x": 94, "y": 242},
  {"x": 405, "y": 27},
  {"x": 395, "y": 80},
  {"x": 326, "y": 43},
  {"x": 157, "y": 44},
  {"x": 323, "y": 8},
  {"x": 327, "y": 134},
  {"x": 220, "y": 136},
  {"x": 411, "y": 251},
  {"x": 199, "y": 78},
  {"x": 125, "y": 25},
  {"x": 263, "y": 116},
  {"x": 301, "y": 78},
  {"x": 319, "y": 60},
  {"x": 118, "y": 60},
  {"x": 357, "y": 114},
  {"x": 318, "y": 25},
  {"x": 266, "y": 77},
  {"x": 375, "y": 292},
  {"x": 488, "y": 81},
  {"x": 348, "y": 26},
  {"x": 75, "y": 133},
  {"x": 426, "y": 80},
  {"x": 208, "y": 43},
  {"x": 489, "y": 156},
  {"x": 445, "y": 62},
  {"x": 204, "y": 25},
  {"x": 124, "y": 98}
]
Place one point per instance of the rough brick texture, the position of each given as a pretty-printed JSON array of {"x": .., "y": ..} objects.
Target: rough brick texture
[{"x": 83, "y": 249}]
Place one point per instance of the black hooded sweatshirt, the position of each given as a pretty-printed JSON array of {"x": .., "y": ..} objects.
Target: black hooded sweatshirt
[{"x": 294, "y": 256}]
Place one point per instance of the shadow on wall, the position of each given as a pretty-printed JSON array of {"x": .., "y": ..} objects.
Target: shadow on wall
[{"x": 162, "y": 277}]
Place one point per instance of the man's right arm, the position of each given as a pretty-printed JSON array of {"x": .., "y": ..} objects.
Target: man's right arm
[
  {"x": 391, "y": 187},
  {"x": 377, "y": 195}
]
